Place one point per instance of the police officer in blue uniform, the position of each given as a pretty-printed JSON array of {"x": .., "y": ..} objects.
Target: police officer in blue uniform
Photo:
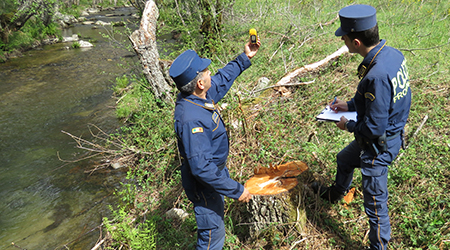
[
  {"x": 203, "y": 141},
  {"x": 382, "y": 102}
]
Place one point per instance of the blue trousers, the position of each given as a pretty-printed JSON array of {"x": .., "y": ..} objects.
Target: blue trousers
[
  {"x": 209, "y": 213},
  {"x": 374, "y": 171}
]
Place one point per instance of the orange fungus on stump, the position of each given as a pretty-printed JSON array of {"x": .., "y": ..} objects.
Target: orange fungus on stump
[{"x": 275, "y": 180}]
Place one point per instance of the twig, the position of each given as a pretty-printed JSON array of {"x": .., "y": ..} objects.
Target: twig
[
  {"x": 420, "y": 126},
  {"x": 98, "y": 167},
  {"x": 65, "y": 164},
  {"x": 297, "y": 242},
  {"x": 100, "y": 130},
  {"x": 81, "y": 141},
  {"x": 181, "y": 17},
  {"x": 276, "y": 51},
  {"x": 284, "y": 157},
  {"x": 366, "y": 236},
  {"x": 277, "y": 33},
  {"x": 16, "y": 246},
  {"x": 283, "y": 40},
  {"x": 90, "y": 231},
  {"x": 304, "y": 41},
  {"x": 120, "y": 99},
  {"x": 329, "y": 22},
  {"x": 99, "y": 149},
  {"x": 77, "y": 160},
  {"x": 284, "y": 85},
  {"x": 357, "y": 219},
  {"x": 98, "y": 244},
  {"x": 430, "y": 48}
]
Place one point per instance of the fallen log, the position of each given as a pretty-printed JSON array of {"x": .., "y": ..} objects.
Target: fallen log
[{"x": 310, "y": 67}]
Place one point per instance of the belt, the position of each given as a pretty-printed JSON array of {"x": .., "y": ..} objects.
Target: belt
[{"x": 392, "y": 137}]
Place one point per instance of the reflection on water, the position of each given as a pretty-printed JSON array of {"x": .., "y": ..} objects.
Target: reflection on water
[{"x": 46, "y": 203}]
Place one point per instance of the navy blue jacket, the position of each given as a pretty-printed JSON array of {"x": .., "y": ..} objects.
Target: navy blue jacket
[
  {"x": 383, "y": 97},
  {"x": 202, "y": 137}
]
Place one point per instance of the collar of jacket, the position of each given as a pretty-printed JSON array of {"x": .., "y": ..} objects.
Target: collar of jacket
[
  {"x": 364, "y": 67},
  {"x": 206, "y": 104}
]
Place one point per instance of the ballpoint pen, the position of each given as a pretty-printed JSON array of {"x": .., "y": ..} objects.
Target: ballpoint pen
[
  {"x": 334, "y": 101},
  {"x": 335, "y": 98}
]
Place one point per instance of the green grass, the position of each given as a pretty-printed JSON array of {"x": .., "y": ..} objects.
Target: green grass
[{"x": 282, "y": 128}]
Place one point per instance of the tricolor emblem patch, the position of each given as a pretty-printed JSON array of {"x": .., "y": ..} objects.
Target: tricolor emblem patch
[{"x": 197, "y": 130}]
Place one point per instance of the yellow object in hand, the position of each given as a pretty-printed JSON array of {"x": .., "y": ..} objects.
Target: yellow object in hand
[{"x": 253, "y": 35}]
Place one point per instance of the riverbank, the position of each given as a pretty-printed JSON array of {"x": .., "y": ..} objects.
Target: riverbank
[
  {"x": 49, "y": 197},
  {"x": 89, "y": 16}
]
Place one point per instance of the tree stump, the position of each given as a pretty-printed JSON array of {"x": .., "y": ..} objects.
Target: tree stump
[
  {"x": 144, "y": 43},
  {"x": 271, "y": 211}
]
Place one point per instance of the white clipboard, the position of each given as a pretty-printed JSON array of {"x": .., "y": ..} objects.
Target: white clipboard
[{"x": 330, "y": 115}]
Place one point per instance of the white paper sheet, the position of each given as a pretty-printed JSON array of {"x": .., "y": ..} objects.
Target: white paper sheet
[{"x": 330, "y": 115}]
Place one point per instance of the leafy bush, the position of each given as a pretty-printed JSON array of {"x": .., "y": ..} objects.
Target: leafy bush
[
  {"x": 33, "y": 30},
  {"x": 19, "y": 39},
  {"x": 126, "y": 232},
  {"x": 121, "y": 83},
  {"x": 38, "y": 31}
]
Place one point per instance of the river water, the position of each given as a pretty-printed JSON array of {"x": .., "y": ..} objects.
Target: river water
[{"x": 46, "y": 203}]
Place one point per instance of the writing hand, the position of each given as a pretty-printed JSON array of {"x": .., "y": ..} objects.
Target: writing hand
[{"x": 338, "y": 105}]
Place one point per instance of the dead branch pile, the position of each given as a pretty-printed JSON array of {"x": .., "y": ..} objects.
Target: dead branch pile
[{"x": 112, "y": 152}]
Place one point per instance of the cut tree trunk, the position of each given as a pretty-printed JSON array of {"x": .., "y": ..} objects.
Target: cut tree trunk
[
  {"x": 283, "y": 212},
  {"x": 144, "y": 43}
]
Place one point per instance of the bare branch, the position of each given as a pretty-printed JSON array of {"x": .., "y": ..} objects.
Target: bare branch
[
  {"x": 430, "y": 48},
  {"x": 98, "y": 245},
  {"x": 181, "y": 17},
  {"x": 284, "y": 85},
  {"x": 77, "y": 160}
]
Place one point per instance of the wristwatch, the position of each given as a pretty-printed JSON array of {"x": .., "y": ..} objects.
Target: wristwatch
[{"x": 345, "y": 125}]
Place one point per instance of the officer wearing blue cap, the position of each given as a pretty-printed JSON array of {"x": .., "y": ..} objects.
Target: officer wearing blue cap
[
  {"x": 203, "y": 141},
  {"x": 382, "y": 102}
]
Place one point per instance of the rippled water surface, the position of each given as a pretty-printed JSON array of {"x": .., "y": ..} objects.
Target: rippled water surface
[{"x": 45, "y": 202}]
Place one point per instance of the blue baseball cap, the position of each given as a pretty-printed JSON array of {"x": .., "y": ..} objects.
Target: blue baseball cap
[
  {"x": 186, "y": 67},
  {"x": 356, "y": 18}
]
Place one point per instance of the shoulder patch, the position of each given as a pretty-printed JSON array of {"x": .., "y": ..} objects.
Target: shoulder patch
[
  {"x": 369, "y": 96},
  {"x": 215, "y": 117},
  {"x": 197, "y": 130}
]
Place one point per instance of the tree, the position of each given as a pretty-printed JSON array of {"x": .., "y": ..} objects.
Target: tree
[
  {"x": 138, "y": 4},
  {"x": 211, "y": 13},
  {"x": 144, "y": 43},
  {"x": 195, "y": 19},
  {"x": 18, "y": 12}
]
